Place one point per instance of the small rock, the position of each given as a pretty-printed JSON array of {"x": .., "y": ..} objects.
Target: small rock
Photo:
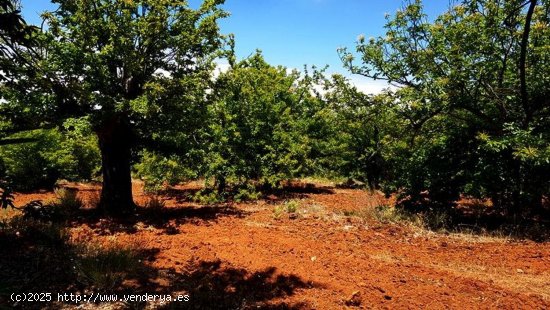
[
  {"x": 354, "y": 300},
  {"x": 293, "y": 216},
  {"x": 387, "y": 297},
  {"x": 313, "y": 258},
  {"x": 381, "y": 290},
  {"x": 520, "y": 270}
]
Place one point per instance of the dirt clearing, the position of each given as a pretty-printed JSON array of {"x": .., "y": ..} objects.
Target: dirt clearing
[{"x": 313, "y": 248}]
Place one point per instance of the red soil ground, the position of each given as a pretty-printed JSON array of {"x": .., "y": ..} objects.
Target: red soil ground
[{"x": 249, "y": 256}]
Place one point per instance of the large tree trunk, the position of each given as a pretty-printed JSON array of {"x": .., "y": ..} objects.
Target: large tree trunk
[{"x": 115, "y": 141}]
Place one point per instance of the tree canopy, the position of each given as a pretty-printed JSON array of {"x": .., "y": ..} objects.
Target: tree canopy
[
  {"x": 138, "y": 70},
  {"x": 474, "y": 88},
  {"x": 132, "y": 84}
]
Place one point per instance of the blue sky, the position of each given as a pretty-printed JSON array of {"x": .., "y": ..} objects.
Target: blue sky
[{"x": 296, "y": 32}]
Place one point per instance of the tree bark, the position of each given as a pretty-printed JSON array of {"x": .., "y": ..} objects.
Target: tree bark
[{"x": 115, "y": 142}]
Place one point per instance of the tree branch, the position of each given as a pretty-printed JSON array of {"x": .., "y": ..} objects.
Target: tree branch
[{"x": 523, "y": 63}]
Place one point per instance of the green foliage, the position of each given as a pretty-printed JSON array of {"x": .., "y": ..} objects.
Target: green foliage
[
  {"x": 246, "y": 192},
  {"x": 469, "y": 113},
  {"x": 157, "y": 170},
  {"x": 290, "y": 207},
  {"x": 52, "y": 156},
  {"x": 472, "y": 101},
  {"x": 28, "y": 165},
  {"x": 80, "y": 141},
  {"x": 208, "y": 197},
  {"x": 354, "y": 132},
  {"x": 259, "y": 119},
  {"x": 137, "y": 71},
  {"x": 13, "y": 30},
  {"x": 237, "y": 192}
]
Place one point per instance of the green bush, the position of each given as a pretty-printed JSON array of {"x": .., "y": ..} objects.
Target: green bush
[
  {"x": 37, "y": 164},
  {"x": 290, "y": 207},
  {"x": 258, "y": 126},
  {"x": 157, "y": 170},
  {"x": 247, "y": 192},
  {"x": 71, "y": 154}
]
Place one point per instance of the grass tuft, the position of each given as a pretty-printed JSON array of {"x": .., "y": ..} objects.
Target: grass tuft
[
  {"x": 67, "y": 200},
  {"x": 289, "y": 207},
  {"x": 105, "y": 268}
]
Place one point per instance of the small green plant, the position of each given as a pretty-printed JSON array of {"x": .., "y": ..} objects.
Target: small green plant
[
  {"x": 436, "y": 220},
  {"x": 277, "y": 211},
  {"x": 290, "y": 207},
  {"x": 246, "y": 193},
  {"x": 389, "y": 214},
  {"x": 207, "y": 197}
]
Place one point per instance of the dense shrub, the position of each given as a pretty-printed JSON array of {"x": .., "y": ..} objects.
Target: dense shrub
[
  {"x": 157, "y": 170},
  {"x": 54, "y": 154},
  {"x": 259, "y": 118}
]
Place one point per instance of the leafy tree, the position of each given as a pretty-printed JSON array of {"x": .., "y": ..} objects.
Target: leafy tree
[
  {"x": 359, "y": 131},
  {"x": 13, "y": 28},
  {"x": 13, "y": 31},
  {"x": 137, "y": 69},
  {"x": 474, "y": 92},
  {"x": 259, "y": 122}
]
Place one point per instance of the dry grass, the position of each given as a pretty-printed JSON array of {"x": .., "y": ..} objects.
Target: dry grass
[
  {"x": 105, "y": 268},
  {"x": 511, "y": 279}
]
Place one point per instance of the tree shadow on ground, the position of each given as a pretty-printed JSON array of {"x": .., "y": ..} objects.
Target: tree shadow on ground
[
  {"x": 295, "y": 190},
  {"x": 39, "y": 258},
  {"x": 217, "y": 285},
  {"x": 475, "y": 216},
  {"x": 288, "y": 190},
  {"x": 166, "y": 218},
  {"x": 495, "y": 224},
  {"x": 180, "y": 195}
]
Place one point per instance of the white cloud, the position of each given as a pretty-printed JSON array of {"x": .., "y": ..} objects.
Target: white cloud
[
  {"x": 162, "y": 72},
  {"x": 370, "y": 86},
  {"x": 222, "y": 66}
]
